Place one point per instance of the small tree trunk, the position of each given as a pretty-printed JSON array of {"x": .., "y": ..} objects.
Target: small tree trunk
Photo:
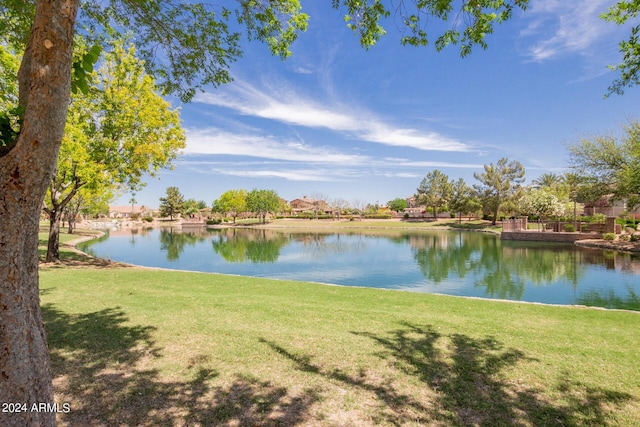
[
  {"x": 53, "y": 246},
  {"x": 59, "y": 206},
  {"x": 495, "y": 217}
]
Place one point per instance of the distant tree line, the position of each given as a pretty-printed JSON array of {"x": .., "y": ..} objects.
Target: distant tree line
[
  {"x": 258, "y": 203},
  {"x": 602, "y": 166}
]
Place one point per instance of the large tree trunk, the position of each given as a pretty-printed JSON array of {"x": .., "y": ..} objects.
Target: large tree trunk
[{"x": 25, "y": 172}]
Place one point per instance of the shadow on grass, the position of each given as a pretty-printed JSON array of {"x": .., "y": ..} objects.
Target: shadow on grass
[
  {"x": 75, "y": 259},
  {"x": 464, "y": 383},
  {"x": 100, "y": 367}
]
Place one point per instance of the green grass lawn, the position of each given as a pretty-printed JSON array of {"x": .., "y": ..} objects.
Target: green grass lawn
[{"x": 134, "y": 346}]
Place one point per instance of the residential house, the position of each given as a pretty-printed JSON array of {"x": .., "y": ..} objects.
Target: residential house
[
  {"x": 610, "y": 208},
  {"x": 301, "y": 205},
  {"x": 120, "y": 212}
]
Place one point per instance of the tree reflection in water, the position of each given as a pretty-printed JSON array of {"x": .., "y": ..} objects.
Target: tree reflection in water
[
  {"x": 505, "y": 269},
  {"x": 253, "y": 245},
  {"x": 173, "y": 241}
]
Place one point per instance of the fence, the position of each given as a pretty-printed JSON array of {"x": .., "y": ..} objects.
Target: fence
[
  {"x": 523, "y": 224},
  {"x": 516, "y": 224}
]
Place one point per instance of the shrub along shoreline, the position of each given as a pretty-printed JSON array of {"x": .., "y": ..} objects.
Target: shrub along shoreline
[{"x": 134, "y": 346}]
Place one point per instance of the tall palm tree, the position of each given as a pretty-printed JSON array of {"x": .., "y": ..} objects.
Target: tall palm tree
[
  {"x": 548, "y": 180},
  {"x": 133, "y": 201},
  {"x": 572, "y": 182}
]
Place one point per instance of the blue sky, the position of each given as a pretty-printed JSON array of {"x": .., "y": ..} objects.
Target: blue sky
[{"x": 367, "y": 126}]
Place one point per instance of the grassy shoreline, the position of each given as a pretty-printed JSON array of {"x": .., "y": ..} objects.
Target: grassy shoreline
[
  {"x": 133, "y": 346},
  {"x": 476, "y": 225}
]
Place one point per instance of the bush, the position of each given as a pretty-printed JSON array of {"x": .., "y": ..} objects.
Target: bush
[
  {"x": 148, "y": 219},
  {"x": 312, "y": 215},
  {"x": 378, "y": 216},
  {"x": 213, "y": 221},
  {"x": 597, "y": 218},
  {"x": 569, "y": 228},
  {"x": 406, "y": 216},
  {"x": 635, "y": 237},
  {"x": 626, "y": 222},
  {"x": 625, "y": 237},
  {"x": 609, "y": 236}
]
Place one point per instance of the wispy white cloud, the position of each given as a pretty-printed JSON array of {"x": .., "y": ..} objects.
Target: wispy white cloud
[
  {"x": 259, "y": 168},
  {"x": 423, "y": 164},
  {"x": 214, "y": 141},
  {"x": 290, "y": 157},
  {"x": 384, "y": 134},
  {"x": 396, "y": 174},
  {"x": 267, "y": 157},
  {"x": 564, "y": 27},
  {"x": 288, "y": 174},
  {"x": 285, "y": 105},
  {"x": 407, "y": 175},
  {"x": 303, "y": 70}
]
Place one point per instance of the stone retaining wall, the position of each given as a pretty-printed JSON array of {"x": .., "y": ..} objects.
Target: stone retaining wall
[{"x": 548, "y": 236}]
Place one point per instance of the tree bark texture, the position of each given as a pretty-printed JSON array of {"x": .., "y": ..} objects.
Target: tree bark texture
[{"x": 26, "y": 167}]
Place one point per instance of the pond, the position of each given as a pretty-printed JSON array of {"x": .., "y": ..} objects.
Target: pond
[{"x": 445, "y": 262}]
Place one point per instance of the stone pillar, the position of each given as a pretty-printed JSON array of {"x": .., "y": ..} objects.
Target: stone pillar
[{"x": 610, "y": 224}]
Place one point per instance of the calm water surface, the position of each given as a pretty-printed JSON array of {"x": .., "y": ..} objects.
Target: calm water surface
[{"x": 447, "y": 262}]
